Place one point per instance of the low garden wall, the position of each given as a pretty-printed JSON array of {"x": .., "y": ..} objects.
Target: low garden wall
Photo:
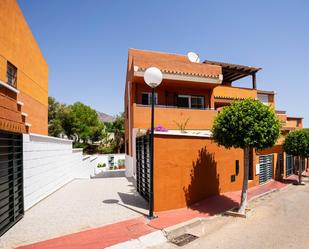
[{"x": 50, "y": 163}]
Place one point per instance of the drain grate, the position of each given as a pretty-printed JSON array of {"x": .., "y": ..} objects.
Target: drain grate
[{"x": 184, "y": 239}]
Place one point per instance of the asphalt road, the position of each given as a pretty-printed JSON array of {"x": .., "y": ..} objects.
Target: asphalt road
[{"x": 278, "y": 220}]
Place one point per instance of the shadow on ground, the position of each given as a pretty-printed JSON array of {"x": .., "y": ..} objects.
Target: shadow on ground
[{"x": 130, "y": 200}]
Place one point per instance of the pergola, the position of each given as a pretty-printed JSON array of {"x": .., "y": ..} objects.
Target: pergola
[{"x": 232, "y": 72}]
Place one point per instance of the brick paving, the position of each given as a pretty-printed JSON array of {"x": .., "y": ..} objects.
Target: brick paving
[{"x": 122, "y": 231}]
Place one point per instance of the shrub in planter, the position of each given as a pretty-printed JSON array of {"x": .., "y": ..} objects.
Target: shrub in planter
[
  {"x": 121, "y": 163},
  {"x": 101, "y": 165}
]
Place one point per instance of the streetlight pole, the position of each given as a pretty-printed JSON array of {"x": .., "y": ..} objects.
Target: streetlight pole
[
  {"x": 151, "y": 156},
  {"x": 153, "y": 77}
]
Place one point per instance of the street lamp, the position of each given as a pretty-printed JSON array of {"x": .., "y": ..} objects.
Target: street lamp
[{"x": 153, "y": 78}]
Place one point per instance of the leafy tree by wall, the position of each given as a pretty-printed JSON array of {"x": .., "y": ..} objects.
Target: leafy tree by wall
[
  {"x": 297, "y": 144},
  {"x": 248, "y": 125}
]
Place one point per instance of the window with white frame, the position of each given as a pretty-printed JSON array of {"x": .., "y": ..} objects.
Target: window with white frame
[
  {"x": 189, "y": 101},
  {"x": 146, "y": 98}
]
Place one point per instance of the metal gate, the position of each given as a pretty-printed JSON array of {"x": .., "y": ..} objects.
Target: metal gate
[
  {"x": 289, "y": 165},
  {"x": 143, "y": 165},
  {"x": 11, "y": 180},
  {"x": 266, "y": 168},
  {"x": 281, "y": 164}
]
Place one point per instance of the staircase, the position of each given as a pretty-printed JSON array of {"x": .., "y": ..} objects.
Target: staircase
[{"x": 12, "y": 118}]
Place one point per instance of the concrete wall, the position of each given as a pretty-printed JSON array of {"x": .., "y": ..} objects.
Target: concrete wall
[{"x": 50, "y": 163}]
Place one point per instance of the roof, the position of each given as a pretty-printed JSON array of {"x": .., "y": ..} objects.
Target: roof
[
  {"x": 232, "y": 72},
  {"x": 172, "y": 63},
  {"x": 289, "y": 117},
  {"x": 266, "y": 92}
]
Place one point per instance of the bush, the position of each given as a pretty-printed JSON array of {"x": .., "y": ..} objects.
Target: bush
[
  {"x": 79, "y": 145},
  {"x": 121, "y": 163},
  {"x": 104, "y": 149},
  {"x": 101, "y": 165}
]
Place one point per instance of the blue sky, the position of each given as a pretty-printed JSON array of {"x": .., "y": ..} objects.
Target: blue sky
[{"x": 85, "y": 43}]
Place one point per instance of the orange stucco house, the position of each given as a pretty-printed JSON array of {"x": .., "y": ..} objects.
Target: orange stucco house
[
  {"x": 23, "y": 75},
  {"x": 188, "y": 165},
  {"x": 23, "y": 106}
]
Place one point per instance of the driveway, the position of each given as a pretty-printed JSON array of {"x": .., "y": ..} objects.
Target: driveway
[{"x": 80, "y": 205}]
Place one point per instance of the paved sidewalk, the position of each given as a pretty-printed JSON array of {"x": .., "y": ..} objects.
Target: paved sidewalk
[
  {"x": 119, "y": 232},
  {"x": 81, "y": 205}
]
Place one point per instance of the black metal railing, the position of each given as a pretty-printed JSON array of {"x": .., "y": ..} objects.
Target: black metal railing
[
  {"x": 11, "y": 180},
  {"x": 289, "y": 165},
  {"x": 176, "y": 107},
  {"x": 143, "y": 166}
]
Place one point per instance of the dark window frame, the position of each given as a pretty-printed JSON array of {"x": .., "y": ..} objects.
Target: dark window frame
[
  {"x": 11, "y": 74},
  {"x": 189, "y": 96},
  {"x": 149, "y": 98}
]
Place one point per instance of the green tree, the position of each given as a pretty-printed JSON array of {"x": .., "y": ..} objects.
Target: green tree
[
  {"x": 117, "y": 128},
  {"x": 297, "y": 144},
  {"x": 55, "y": 109},
  {"x": 83, "y": 122},
  {"x": 53, "y": 106},
  {"x": 248, "y": 125}
]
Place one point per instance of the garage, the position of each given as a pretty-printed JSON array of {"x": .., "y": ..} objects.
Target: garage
[
  {"x": 266, "y": 168},
  {"x": 11, "y": 180}
]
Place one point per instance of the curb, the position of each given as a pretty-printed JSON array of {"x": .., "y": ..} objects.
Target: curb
[
  {"x": 151, "y": 239},
  {"x": 183, "y": 227},
  {"x": 195, "y": 226}
]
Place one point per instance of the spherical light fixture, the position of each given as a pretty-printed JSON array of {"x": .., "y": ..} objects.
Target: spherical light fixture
[{"x": 153, "y": 77}]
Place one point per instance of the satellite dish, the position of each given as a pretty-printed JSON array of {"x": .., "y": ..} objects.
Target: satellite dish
[{"x": 193, "y": 57}]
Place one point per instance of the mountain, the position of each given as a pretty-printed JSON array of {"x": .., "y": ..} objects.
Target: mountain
[{"x": 105, "y": 117}]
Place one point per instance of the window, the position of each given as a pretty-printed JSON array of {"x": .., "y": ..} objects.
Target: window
[
  {"x": 188, "y": 101},
  {"x": 263, "y": 98},
  {"x": 11, "y": 74},
  {"x": 183, "y": 101},
  {"x": 197, "y": 102},
  {"x": 146, "y": 98}
]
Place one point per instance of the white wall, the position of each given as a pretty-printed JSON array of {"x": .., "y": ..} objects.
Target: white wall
[{"x": 50, "y": 163}]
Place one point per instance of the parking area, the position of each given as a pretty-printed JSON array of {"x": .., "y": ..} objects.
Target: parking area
[{"x": 80, "y": 205}]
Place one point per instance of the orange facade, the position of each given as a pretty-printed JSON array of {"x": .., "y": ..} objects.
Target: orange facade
[
  {"x": 25, "y": 106},
  {"x": 192, "y": 167},
  {"x": 189, "y": 169}
]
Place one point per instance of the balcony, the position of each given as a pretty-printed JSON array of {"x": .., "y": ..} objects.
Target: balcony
[
  {"x": 228, "y": 92},
  {"x": 171, "y": 117}
]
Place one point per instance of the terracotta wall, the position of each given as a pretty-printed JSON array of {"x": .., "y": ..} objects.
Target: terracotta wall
[
  {"x": 37, "y": 114},
  {"x": 188, "y": 169},
  {"x": 293, "y": 122},
  {"x": 10, "y": 117},
  {"x": 128, "y": 107},
  {"x": 169, "y": 117},
  {"x": 234, "y": 92},
  {"x": 18, "y": 46}
]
